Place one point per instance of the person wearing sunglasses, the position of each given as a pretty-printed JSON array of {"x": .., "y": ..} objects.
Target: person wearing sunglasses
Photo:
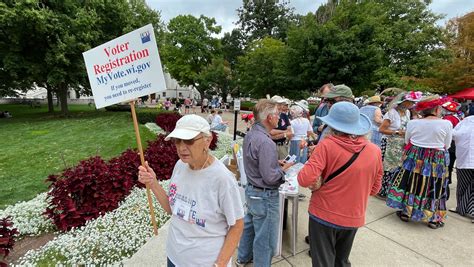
[
  {"x": 322, "y": 109},
  {"x": 340, "y": 93},
  {"x": 203, "y": 199}
]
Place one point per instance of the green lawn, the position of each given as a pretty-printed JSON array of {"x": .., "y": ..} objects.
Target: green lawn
[{"x": 35, "y": 144}]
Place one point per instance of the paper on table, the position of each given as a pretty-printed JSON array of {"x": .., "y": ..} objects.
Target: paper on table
[{"x": 291, "y": 182}]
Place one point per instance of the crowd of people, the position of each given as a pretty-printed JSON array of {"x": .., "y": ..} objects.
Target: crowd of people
[{"x": 402, "y": 151}]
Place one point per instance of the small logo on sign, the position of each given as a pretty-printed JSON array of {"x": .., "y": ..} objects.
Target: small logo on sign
[{"x": 145, "y": 37}]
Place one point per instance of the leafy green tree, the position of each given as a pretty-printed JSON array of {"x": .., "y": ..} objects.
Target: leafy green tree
[
  {"x": 268, "y": 18},
  {"x": 457, "y": 72},
  {"x": 43, "y": 41},
  {"x": 263, "y": 70},
  {"x": 217, "y": 78},
  {"x": 190, "y": 49},
  {"x": 365, "y": 44},
  {"x": 233, "y": 45},
  {"x": 342, "y": 50}
]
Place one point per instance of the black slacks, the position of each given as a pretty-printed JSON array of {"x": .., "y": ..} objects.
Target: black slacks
[{"x": 330, "y": 246}]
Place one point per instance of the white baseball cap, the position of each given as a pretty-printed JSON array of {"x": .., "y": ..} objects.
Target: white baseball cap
[{"x": 188, "y": 127}]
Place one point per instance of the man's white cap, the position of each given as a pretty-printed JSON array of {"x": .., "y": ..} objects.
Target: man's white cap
[
  {"x": 278, "y": 99},
  {"x": 188, "y": 127}
]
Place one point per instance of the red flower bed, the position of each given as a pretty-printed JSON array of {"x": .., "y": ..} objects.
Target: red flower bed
[
  {"x": 7, "y": 238},
  {"x": 125, "y": 167},
  {"x": 213, "y": 145},
  {"x": 85, "y": 192},
  {"x": 95, "y": 187},
  {"x": 161, "y": 156},
  {"x": 167, "y": 121}
]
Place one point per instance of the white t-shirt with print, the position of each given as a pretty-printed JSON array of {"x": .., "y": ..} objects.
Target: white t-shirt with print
[
  {"x": 204, "y": 203},
  {"x": 300, "y": 127}
]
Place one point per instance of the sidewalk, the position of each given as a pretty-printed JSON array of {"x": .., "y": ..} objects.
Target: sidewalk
[
  {"x": 383, "y": 241},
  {"x": 387, "y": 241}
]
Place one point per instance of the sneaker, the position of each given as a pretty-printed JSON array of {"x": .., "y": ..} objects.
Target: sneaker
[
  {"x": 306, "y": 239},
  {"x": 241, "y": 264}
]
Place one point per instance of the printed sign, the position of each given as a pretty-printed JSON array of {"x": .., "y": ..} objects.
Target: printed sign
[
  {"x": 125, "y": 68},
  {"x": 236, "y": 104}
]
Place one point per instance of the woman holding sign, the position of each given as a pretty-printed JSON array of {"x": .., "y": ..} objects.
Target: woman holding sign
[{"x": 203, "y": 199}]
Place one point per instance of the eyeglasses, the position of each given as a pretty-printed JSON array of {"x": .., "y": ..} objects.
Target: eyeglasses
[{"x": 189, "y": 142}]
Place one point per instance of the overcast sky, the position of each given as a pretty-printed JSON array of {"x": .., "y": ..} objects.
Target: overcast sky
[{"x": 224, "y": 11}]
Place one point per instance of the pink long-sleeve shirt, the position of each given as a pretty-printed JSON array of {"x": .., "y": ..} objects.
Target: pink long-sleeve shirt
[{"x": 343, "y": 200}]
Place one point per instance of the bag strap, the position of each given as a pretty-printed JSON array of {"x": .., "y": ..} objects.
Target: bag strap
[{"x": 344, "y": 167}]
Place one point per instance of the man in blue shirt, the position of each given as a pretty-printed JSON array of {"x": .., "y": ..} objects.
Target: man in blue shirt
[
  {"x": 322, "y": 109},
  {"x": 265, "y": 174}
]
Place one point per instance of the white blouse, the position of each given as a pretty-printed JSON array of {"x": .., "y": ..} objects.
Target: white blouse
[
  {"x": 463, "y": 135},
  {"x": 429, "y": 133}
]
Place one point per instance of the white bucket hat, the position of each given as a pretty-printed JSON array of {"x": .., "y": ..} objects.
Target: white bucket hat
[{"x": 188, "y": 127}]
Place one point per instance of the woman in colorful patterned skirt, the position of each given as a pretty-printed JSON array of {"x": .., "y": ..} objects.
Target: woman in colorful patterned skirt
[
  {"x": 418, "y": 190},
  {"x": 393, "y": 130}
]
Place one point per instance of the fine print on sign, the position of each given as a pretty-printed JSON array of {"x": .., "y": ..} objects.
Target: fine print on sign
[{"x": 125, "y": 68}]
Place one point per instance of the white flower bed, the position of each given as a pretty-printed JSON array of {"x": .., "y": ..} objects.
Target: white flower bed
[
  {"x": 224, "y": 144},
  {"x": 27, "y": 216},
  {"x": 154, "y": 128},
  {"x": 105, "y": 240}
]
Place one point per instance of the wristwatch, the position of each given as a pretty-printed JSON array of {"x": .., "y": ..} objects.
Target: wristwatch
[{"x": 397, "y": 132}]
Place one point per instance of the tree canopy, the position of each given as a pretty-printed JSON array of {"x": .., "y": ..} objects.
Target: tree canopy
[
  {"x": 42, "y": 42},
  {"x": 190, "y": 49}
]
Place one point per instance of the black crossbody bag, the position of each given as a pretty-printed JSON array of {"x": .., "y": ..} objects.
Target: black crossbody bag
[{"x": 341, "y": 169}]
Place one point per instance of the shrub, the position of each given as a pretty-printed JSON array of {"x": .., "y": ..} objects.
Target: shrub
[
  {"x": 118, "y": 108},
  {"x": 125, "y": 167},
  {"x": 215, "y": 137},
  {"x": 161, "y": 156},
  {"x": 7, "y": 238},
  {"x": 247, "y": 105},
  {"x": 145, "y": 115},
  {"x": 85, "y": 192},
  {"x": 167, "y": 121},
  {"x": 312, "y": 108}
]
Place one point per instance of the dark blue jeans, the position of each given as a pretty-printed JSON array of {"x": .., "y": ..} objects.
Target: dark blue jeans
[{"x": 260, "y": 234}]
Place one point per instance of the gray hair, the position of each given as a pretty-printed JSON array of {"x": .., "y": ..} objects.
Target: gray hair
[
  {"x": 263, "y": 108},
  {"x": 328, "y": 85},
  {"x": 296, "y": 111},
  {"x": 333, "y": 131}
]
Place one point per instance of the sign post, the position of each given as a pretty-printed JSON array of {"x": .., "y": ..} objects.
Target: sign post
[
  {"x": 123, "y": 70},
  {"x": 236, "y": 111}
]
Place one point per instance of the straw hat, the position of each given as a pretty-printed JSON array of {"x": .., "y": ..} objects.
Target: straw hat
[{"x": 374, "y": 99}]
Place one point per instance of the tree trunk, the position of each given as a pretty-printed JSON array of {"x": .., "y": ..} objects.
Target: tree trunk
[
  {"x": 50, "y": 99},
  {"x": 62, "y": 95}
]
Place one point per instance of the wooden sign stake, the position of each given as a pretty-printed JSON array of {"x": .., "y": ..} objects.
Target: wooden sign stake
[{"x": 142, "y": 159}]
